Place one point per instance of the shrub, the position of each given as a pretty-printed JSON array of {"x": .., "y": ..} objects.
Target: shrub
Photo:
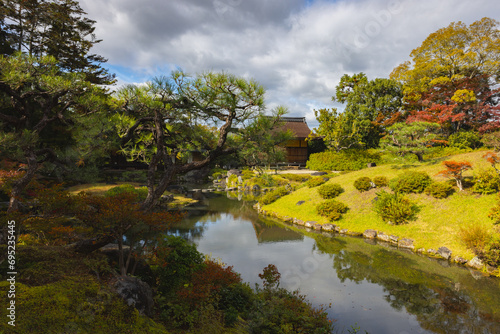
[
  {"x": 247, "y": 174},
  {"x": 332, "y": 209},
  {"x": 327, "y": 191},
  {"x": 141, "y": 192},
  {"x": 273, "y": 195},
  {"x": 296, "y": 177},
  {"x": 176, "y": 261},
  {"x": 395, "y": 208},
  {"x": 353, "y": 159},
  {"x": 486, "y": 181},
  {"x": 465, "y": 139},
  {"x": 380, "y": 181},
  {"x": 316, "y": 181},
  {"x": 439, "y": 190},
  {"x": 474, "y": 236},
  {"x": 363, "y": 183},
  {"x": 410, "y": 182},
  {"x": 491, "y": 253}
]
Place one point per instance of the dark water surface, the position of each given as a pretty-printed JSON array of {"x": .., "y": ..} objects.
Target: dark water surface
[{"x": 372, "y": 286}]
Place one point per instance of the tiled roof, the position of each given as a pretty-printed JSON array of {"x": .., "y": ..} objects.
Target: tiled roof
[{"x": 298, "y": 126}]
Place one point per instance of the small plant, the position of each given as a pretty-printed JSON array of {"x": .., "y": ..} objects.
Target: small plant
[
  {"x": 486, "y": 181},
  {"x": 316, "y": 181},
  {"x": 439, "y": 190},
  {"x": 454, "y": 170},
  {"x": 332, "y": 209},
  {"x": 363, "y": 184},
  {"x": 380, "y": 181},
  {"x": 491, "y": 252},
  {"x": 465, "y": 139},
  {"x": 410, "y": 182},
  {"x": 495, "y": 211},
  {"x": 395, "y": 208},
  {"x": 328, "y": 191}
]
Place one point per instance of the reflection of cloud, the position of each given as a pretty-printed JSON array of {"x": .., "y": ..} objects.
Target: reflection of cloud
[{"x": 297, "y": 49}]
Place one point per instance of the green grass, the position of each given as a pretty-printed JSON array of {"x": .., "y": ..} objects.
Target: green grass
[{"x": 439, "y": 220}]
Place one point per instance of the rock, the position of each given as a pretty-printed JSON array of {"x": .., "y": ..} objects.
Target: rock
[
  {"x": 317, "y": 227},
  {"x": 383, "y": 237},
  {"x": 432, "y": 252},
  {"x": 355, "y": 234},
  {"x": 300, "y": 202},
  {"x": 256, "y": 188},
  {"x": 328, "y": 227},
  {"x": 421, "y": 250},
  {"x": 236, "y": 172},
  {"x": 370, "y": 234},
  {"x": 298, "y": 221},
  {"x": 309, "y": 224},
  {"x": 135, "y": 293},
  {"x": 371, "y": 164},
  {"x": 336, "y": 228},
  {"x": 393, "y": 239},
  {"x": 491, "y": 270},
  {"x": 343, "y": 231},
  {"x": 198, "y": 176},
  {"x": 475, "y": 263},
  {"x": 459, "y": 260},
  {"x": 444, "y": 252},
  {"x": 287, "y": 219},
  {"x": 406, "y": 243},
  {"x": 319, "y": 173},
  {"x": 176, "y": 189}
]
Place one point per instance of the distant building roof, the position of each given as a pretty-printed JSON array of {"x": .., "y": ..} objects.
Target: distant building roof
[{"x": 297, "y": 125}]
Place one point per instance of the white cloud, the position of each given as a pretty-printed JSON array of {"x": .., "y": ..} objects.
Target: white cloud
[{"x": 297, "y": 49}]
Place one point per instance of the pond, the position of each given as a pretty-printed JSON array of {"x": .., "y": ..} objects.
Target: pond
[{"x": 370, "y": 286}]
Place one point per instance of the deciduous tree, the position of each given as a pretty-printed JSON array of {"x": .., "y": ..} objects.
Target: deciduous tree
[{"x": 454, "y": 170}]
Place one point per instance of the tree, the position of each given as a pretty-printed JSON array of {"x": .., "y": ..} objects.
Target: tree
[
  {"x": 162, "y": 122},
  {"x": 39, "y": 102},
  {"x": 451, "y": 77},
  {"x": 340, "y": 131},
  {"x": 370, "y": 106},
  {"x": 57, "y": 28},
  {"x": 455, "y": 170},
  {"x": 411, "y": 138}
]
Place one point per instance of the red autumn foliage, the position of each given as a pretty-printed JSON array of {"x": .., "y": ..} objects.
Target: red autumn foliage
[
  {"x": 208, "y": 281},
  {"x": 454, "y": 170}
]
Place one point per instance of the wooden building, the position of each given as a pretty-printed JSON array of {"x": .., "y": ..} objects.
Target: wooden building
[{"x": 296, "y": 149}]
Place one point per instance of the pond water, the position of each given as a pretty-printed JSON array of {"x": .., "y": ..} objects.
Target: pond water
[{"x": 372, "y": 286}]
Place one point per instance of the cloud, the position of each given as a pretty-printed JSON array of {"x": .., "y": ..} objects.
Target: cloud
[{"x": 297, "y": 49}]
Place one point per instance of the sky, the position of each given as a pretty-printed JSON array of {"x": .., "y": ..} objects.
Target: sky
[{"x": 297, "y": 49}]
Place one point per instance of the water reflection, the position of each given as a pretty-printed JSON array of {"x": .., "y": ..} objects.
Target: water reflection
[{"x": 381, "y": 289}]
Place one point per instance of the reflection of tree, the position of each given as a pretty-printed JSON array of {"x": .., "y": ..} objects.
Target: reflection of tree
[{"x": 438, "y": 305}]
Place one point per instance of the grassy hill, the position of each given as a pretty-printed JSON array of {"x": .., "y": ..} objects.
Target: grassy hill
[{"x": 439, "y": 220}]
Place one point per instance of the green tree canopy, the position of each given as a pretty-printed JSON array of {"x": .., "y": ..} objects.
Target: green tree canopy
[
  {"x": 38, "y": 106},
  {"x": 57, "y": 28},
  {"x": 165, "y": 120}
]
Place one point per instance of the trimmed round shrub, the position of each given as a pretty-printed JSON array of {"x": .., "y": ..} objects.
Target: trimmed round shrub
[
  {"x": 346, "y": 160},
  {"x": 141, "y": 192},
  {"x": 465, "y": 139},
  {"x": 332, "y": 209},
  {"x": 439, "y": 189},
  {"x": 486, "y": 181},
  {"x": 380, "y": 181},
  {"x": 395, "y": 208},
  {"x": 410, "y": 182},
  {"x": 296, "y": 177},
  {"x": 363, "y": 183},
  {"x": 273, "y": 195},
  {"x": 316, "y": 181},
  {"x": 327, "y": 191}
]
